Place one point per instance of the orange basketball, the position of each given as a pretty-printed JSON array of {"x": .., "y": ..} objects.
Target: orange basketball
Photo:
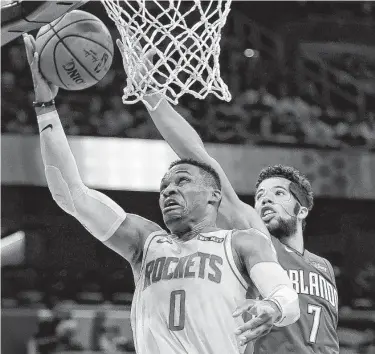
[{"x": 75, "y": 51}]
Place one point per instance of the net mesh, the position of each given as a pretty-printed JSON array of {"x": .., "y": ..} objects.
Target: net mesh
[{"x": 184, "y": 39}]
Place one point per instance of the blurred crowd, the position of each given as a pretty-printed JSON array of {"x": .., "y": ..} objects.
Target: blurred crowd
[
  {"x": 58, "y": 332},
  {"x": 55, "y": 291},
  {"x": 289, "y": 119},
  {"x": 59, "y": 296},
  {"x": 355, "y": 66},
  {"x": 45, "y": 288},
  {"x": 261, "y": 111},
  {"x": 356, "y": 332}
]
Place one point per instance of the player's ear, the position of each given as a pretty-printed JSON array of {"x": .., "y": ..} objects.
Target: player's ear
[
  {"x": 302, "y": 213},
  {"x": 215, "y": 197}
]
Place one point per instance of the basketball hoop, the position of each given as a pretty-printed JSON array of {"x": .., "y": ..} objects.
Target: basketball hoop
[{"x": 185, "y": 37}]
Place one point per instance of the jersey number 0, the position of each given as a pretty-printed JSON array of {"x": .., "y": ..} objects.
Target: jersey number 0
[{"x": 177, "y": 310}]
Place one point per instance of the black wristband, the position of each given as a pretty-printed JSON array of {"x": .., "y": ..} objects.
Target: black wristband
[{"x": 43, "y": 104}]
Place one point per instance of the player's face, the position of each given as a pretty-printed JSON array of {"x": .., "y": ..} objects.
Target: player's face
[
  {"x": 183, "y": 195},
  {"x": 277, "y": 206}
]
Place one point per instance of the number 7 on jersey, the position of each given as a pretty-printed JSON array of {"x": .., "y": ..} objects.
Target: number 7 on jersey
[{"x": 316, "y": 312}]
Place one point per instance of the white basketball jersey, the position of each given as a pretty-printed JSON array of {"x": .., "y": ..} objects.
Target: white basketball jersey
[{"x": 185, "y": 296}]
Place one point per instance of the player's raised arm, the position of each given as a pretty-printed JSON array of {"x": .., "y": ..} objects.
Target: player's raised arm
[
  {"x": 101, "y": 216},
  {"x": 186, "y": 142},
  {"x": 256, "y": 257}
]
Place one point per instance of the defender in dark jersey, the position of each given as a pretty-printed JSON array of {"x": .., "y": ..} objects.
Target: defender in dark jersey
[{"x": 283, "y": 200}]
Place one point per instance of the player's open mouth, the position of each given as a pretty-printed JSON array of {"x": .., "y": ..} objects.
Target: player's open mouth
[
  {"x": 267, "y": 213},
  {"x": 165, "y": 210},
  {"x": 268, "y": 217},
  {"x": 170, "y": 204}
]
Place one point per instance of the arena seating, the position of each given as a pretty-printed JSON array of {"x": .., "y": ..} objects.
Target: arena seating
[{"x": 268, "y": 106}]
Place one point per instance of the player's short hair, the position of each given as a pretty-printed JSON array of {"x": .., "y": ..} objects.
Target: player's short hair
[
  {"x": 211, "y": 177},
  {"x": 300, "y": 186}
]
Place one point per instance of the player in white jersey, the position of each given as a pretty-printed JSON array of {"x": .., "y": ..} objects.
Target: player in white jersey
[
  {"x": 188, "y": 282},
  {"x": 177, "y": 297}
]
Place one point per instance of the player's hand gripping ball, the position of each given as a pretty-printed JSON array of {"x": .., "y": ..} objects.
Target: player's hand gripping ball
[
  {"x": 44, "y": 91},
  {"x": 75, "y": 51}
]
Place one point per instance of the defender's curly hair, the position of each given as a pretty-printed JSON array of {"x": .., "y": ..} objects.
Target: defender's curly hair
[{"x": 293, "y": 175}]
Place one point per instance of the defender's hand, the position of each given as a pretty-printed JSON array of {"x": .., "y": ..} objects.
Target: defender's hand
[
  {"x": 147, "y": 58},
  {"x": 265, "y": 314},
  {"x": 44, "y": 90}
]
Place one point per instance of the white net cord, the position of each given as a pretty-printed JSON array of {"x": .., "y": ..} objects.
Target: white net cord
[{"x": 184, "y": 37}]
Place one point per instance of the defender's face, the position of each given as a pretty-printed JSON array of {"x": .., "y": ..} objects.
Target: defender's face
[
  {"x": 276, "y": 206},
  {"x": 182, "y": 194}
]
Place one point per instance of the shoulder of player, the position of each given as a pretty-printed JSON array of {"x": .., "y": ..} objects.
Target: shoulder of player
[
  {"x": 139, "y": 227},
  {"x": 315, "y": 258},
  {"x": 159, "y": 237},
  {"x": 330, "y": 267},
  {"x": 131, "y": 237},
  {"x": 250, "y": 239}
]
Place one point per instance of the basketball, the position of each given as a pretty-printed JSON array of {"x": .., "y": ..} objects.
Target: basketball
[{"x": 75, "y": 51}]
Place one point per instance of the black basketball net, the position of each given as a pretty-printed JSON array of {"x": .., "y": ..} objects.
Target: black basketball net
[{"x": 185, "y": 37}]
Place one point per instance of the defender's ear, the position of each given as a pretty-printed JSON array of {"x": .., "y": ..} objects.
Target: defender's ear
[{"x": 302, "y": 213}]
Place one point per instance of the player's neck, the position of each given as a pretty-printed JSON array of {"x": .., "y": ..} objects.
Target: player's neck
[
  {"x": 294, "y": 241},
  {"x": 192, "y": 231}
]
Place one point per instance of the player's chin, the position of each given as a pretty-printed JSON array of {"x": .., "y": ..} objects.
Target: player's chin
[
  {"x": 171, "y": 217},
  {"x": 272, "y": 224}
]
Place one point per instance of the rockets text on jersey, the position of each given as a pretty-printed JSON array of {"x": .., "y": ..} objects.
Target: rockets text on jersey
[{"x": 185, "y": 296}]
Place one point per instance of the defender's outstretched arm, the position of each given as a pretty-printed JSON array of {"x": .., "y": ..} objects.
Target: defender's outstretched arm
[{"x": 186, "y": 142}]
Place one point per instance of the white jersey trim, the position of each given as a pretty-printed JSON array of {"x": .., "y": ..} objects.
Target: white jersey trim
[{"x": 232, "y": 264}]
